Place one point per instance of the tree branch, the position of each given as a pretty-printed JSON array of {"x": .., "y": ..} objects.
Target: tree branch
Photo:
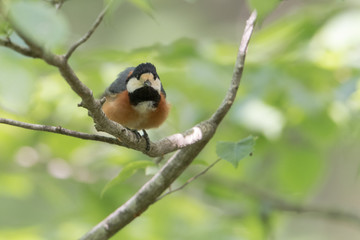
[
  {"x": 328, "y": 213},
  {"x": 285, "y": 205},
  {"x": 148, "y": 193},
  {"x": 191, "y": 142},
  {"x": 88, "y": 34},
  {"x": 34, "y": 47},
  {"x": 62, "y": 131},
  {"x": 164, "y": 146},
  {"x": 17, "y": 48}
]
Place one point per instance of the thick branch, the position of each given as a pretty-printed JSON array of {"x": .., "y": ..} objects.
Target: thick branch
[
  {"x": 61, "y": 130},
  {"x": 148, "y": 194},
  {"x": 87, "y": 35}
]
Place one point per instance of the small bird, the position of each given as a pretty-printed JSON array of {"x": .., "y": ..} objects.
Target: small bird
[{"x": 137, "y": 100}]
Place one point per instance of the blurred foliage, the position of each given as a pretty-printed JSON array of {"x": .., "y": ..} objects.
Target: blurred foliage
[
  {"x": 300, "y": 95},
  {"x": 51, "y": 28},
  {"x": 233, "y": 152}
]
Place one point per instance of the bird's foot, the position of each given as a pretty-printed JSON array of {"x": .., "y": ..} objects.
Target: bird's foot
[
  {"x": 137, "y": 134},
  {"x": 145, "y": 136},
  {"x": 147, "y": 139}
]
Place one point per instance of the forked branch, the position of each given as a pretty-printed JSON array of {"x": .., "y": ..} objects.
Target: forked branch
[
  {"x": 150, "y": 192},
  {"x": 189, "y": 144}
]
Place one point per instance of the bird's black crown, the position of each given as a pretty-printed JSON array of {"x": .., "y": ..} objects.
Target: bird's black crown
[{"x": 144, "y": 68}]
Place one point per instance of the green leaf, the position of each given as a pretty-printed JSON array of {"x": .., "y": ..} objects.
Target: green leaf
[
  {"x": 40, "y": 22},
  {"x": 128, "y": 170},
  {"x": 233, "y": 152},
  {"x": 263, "y": 7}
]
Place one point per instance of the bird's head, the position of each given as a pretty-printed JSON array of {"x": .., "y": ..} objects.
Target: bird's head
[{"x": 143, "y": 76}]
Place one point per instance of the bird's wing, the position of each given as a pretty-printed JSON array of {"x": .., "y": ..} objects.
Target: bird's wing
[{"x": 119, "y": 84}]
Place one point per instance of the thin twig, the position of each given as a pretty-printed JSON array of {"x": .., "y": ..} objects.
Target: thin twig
[
  {"x": 17, "y": 48},
  {"x": 36, "y": 49},
  {"x": 238, "y": 70},
  {"x": 327, "y": 213},
  {"x": 282, "y": 204},
  {"x": 62, "y": 131},
  {"x": 87, "y": 35},
  {"x": 189, "y": 180}
]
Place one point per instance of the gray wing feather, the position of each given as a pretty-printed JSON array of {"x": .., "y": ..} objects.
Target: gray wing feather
[{"x": 119, "y": 84}]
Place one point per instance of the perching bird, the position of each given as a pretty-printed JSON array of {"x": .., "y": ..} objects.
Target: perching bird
[{"x": 137, "y": 99}]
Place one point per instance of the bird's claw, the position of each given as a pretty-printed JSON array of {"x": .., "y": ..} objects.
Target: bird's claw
[
  {"x": 145, "y": 136},
  {"x": 137, "y": 134},
  {"x": 147, "y": 139}
]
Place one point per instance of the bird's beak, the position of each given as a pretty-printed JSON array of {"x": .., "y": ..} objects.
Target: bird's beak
[{"x": 147, "y": 83}]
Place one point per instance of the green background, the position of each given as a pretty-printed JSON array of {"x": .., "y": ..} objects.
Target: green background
[{"x": 299, "y": 95}]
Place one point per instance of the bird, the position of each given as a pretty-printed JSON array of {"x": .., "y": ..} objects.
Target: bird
[{"x": 137, "y": 100}]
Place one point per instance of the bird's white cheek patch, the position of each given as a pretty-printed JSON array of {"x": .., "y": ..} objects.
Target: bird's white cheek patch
[
  {"x": 133, "y": 84},
  {"x": 156, "y": 84}
]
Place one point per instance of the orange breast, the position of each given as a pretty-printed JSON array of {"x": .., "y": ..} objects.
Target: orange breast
[
  {"x": 119, "y": 109},
  {"x": 158, "y": 116}
]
